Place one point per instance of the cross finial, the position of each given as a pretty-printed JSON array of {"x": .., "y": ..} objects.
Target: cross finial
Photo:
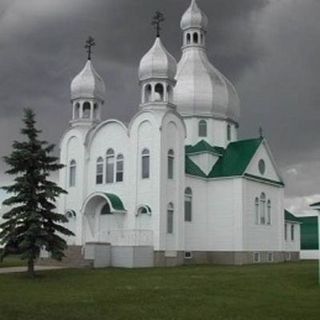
[
  {"x": 261, "y": 132},
  {"x": 89, "y": 44},
  {"x": 157, "y": 19}
]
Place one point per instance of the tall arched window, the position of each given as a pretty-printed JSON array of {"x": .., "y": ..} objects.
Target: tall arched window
[
  {"x": 202, "y": 128},
  {"x": 72, "y": 173},
  {"x": 170, "y": 215},
  {"x": 120, "y": 163},
  {"x": 147, "y": 93},
  {"x": 256, "y": 205},
  {"x": 170, "y": 164},
  {"x": 229, "y": 132},
  {"x": 86, "y": 110},
  {"x": 262, "y": 208},
  {"x": 77, "y": 111},
  {"x": 145, "y": 164},
  {"x": 99, "y": 171},
  {"x": 159, "y": 92},
  {"x": 188, "y": 38},
  {"x": 195, "y": 37},
  {"x": 188, "y": 205},
  {"x": 269, "y": 212},
  {"x": 110, "y": 166}
]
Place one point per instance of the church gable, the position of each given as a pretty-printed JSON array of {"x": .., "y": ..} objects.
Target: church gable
[
  {"x": 235, "y": 159},
  {"x": 262, "y": 165},
  {"x": 204, "y": 155}
]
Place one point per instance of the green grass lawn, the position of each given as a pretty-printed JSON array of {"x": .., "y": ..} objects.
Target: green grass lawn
[
  {"x": 285, "y": 291},
  {"x": 12, "y": 261}
]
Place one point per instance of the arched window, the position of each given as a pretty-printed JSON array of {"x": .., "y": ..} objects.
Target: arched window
[
  {"x": 147, "y": 93},
  {"x": 77, "y": 111},
  {"x": 256, "y": 205},
  {"x": 72, "y": 173},
  {"x": 70, "y": 214},
  {"x": 105, "y": 209},
  {"x": 188, "y": 205},
  {"x": 120, "y": 164},
  {"x": 86, "y": 110},
  {"x": 170, "y": 213},
  {"x": 188, "y": 38},
  {"x": 202, "y": 128},
  {"x": 262, "y": 208},
  {"x": 228, "y": 132},
  {"x": 145, "y": 164},
  {"x": 110, "y": 166},
  {"x": 159, "y": 92},
  {"x": 195, "y": 37},
  {"x": 145, "y": 209},
  {"x": 269, "y": 212},
  {"x": 99, "y": 171},
  {"x": 170, "y": 164}
]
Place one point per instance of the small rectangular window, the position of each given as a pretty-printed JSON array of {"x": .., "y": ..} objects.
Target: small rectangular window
[
  {"x": 285, "y": 232},
  {"x": 145, "y": 167},
  {"x": 188, "y": 255},
  {"x": 119, "y": 174},
  {"x": 72, "y": 177},
  {"x": 187, "y": 210},
  {"x": 270, "y": 257},
  {"x": 170, "y": 167},
  {"x": 256, "y": 257},
  {"x": 99, "y": 177},
  {"x": 292, "y": 232}
]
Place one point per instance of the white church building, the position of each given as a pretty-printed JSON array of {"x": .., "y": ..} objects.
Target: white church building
[{"x": 175, "y": 185}]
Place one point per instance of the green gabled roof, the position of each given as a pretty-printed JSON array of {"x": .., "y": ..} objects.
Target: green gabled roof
[
  {"x": 288, "y": 216},
  {"x": 203, "y": 146},
  {"x": 116, "y": 202},
  {"x": 193, "y": 169},
  {"x": 236, "y": 158}
]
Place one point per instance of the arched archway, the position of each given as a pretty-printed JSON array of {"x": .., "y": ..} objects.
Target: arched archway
[{"x": 99, "y": 222}]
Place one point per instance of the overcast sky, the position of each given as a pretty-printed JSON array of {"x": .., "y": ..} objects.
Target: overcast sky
[{"x": 270, "y": 50}]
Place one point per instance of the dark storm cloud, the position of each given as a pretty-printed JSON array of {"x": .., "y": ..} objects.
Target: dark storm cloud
[{"x": 269, "y": 49}]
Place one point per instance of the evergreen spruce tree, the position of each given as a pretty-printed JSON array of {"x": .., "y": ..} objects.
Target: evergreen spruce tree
[{"x": 32, "y": 223}]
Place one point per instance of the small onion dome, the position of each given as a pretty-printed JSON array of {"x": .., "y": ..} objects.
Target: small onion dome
[
  {"x": 88, "y": 84},
  {"x": 194, "y": 18},
  {"x": 202, "y": 90},
  {"x": 157, "y": 63}
]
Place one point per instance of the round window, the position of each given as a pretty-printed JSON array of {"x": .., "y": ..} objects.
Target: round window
[{"x": 262, "y": 166}]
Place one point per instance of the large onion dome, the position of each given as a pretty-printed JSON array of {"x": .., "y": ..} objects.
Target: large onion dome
[
  {"x": 194, "y": 18},
  {"x": 157, "y": 63},
  {"x": 88, "y": 84},
  {"x": 201, "y": 90}
]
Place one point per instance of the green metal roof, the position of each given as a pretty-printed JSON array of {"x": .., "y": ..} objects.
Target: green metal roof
[
  {"x": 233, "y": 161},
  {"x": 316, "y": 204},
  {"x": 203, "y": 146},
  {"x": 236, "y": 158},
  {"x": 193, "y": 169},
  {"x": 288, "y": 216},
  {"x": 309, "y": 233},
  {"x": 116, "y": 202}
]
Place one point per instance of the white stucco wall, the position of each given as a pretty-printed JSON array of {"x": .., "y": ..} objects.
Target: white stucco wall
[
  {"x": 216, "y": 219},
  {"x": 216, "y": 131},
  {"x": 262, "y": 237}
]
